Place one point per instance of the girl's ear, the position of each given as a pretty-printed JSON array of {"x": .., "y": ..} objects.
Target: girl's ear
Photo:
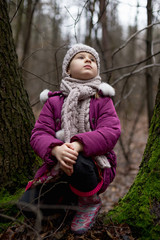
[{"x": 68, "y": 71}]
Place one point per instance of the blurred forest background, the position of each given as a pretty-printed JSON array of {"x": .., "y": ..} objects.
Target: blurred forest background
[{"x": 130, "y": 61}]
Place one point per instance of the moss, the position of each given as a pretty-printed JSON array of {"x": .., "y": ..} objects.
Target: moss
[
  {"x": 8, "y": 206},
  {"x": 8, "y": 201}
]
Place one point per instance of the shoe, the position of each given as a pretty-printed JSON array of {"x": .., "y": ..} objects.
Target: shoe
[{"x": 86, "y": 214}]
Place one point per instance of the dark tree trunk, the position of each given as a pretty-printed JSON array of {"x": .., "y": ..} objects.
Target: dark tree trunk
[
  {"x": 19, "y": 24},
  {"x": 140, "y": 208},
  {"x": 16, "y": 121},
  {"x": 149, "y": 74},
  {"x": 105, "y": 35},
  {"x": 28, "y": 26}
]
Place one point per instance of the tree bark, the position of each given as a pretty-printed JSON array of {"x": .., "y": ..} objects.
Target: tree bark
[
  {"x": 140, "y": 208},
  {"x": 16, "y": 122}
]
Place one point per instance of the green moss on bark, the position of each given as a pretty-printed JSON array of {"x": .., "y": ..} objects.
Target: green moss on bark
[{"x": 140, "y": 208}]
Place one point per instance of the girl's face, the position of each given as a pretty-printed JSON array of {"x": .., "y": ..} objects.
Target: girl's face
[{"x": 83, "y": 66}]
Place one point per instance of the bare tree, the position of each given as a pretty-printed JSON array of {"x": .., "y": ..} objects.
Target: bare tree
[
  {"x": 105, "y": 34},
  {"x": 16, "y": 121},
  {"x": 19, "y": 23},
  {"x": 149, "y": 74},
  {"x": 31, "y": 6}
]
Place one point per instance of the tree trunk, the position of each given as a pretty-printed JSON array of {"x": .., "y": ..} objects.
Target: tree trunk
[
  {"x": 140, "y": 208},
  {"x": 149, "y": 75},
  {"x": 90, "y": 10},
  {"x": 16, "y": 122},
  {"x": 105, "y": 35},
  {"x": 105, "y": 42},
  {"x": 27, "y": 29},
  {"x": 19, "y": 24}
]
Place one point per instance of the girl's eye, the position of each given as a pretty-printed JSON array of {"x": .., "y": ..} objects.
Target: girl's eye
[
  {"x": 92, "y": 59},
  {"x": 80, "y": 57}
]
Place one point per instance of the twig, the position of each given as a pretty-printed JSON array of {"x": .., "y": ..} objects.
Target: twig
[
  {"x": 16, "y": 220},
  {"x": 77, "y": 18},
  {"x": 135, "y": 124},
  {"x": 130, "y": 65},
  {"x": 55, "y": 55},
  {"x": 131, "y": 37},
  {"x": 134, "y": 72},
  {"x": 16, "y": 11},
  {"x": 125, "y": 153},
  {"x": 104, "y": 9},
  {"x": 25, "y": 59},
  {"x": 124, "y": 97},
  {"x": 58, "y": 227},
  {"x": 34, "y": 104},
  {"x": 55, "y": 85},
  {"x": 35, "y": 210}
]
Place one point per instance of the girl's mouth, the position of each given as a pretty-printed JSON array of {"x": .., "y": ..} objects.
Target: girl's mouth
[{"x": 88, "y": 66}]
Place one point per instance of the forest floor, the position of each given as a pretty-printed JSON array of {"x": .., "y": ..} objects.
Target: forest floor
[{"x": 126, "y": 173}]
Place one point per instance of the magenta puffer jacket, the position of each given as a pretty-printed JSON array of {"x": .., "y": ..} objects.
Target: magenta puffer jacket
[{"x": 101, "y": 140}]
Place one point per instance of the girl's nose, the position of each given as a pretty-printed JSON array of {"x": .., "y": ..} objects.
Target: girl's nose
[{"x": 88, "y": 59}]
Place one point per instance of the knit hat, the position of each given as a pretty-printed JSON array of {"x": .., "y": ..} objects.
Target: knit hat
[{"x": 73, "y": 51}]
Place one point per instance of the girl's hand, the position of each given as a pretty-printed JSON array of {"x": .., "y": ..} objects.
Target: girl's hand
[
  {"x": 67, "y": 156},
  {"x": 77, "y": 146}
]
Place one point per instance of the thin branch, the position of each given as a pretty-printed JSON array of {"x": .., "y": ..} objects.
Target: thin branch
[
  {"x": 130, "y": 65},
  {"x": 101, "y": 13},
  {"x": 131, "y": 135},
  {"x": 25, "y": 59},
  {"x": 123, "y": 149},
  {"x": 134, "y": 72},
  {"x": 77, "y": 18},
  {"x": 131, "y": 37},
  {"x": 16, "y": 11},
  {"x": 35, "y": 103},
  {"x": 55, "y": 85},
  {"x": 16, "y": 220},
  {"x": 59, "y": 226},
  {"x": 125, "y": 97},
  {"x": 56, "y": 62}
]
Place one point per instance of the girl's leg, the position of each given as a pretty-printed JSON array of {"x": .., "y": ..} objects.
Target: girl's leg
[
  {"x": 49, "y": 196},
  {"x": 85, "y": 178},
  {"x": 85, "y": 182},
  {"x": 28, "y": 202}
]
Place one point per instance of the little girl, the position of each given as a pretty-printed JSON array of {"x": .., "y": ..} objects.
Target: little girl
[{"x": 75, "y": 134}]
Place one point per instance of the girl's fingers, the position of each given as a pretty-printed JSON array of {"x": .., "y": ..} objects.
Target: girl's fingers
[
  {"x": 70, "y": 149},
  {"x": 70, "y": 157},
  {"x": 67, "y": 166},
  {"x": 67, "y": 171},
  {"x": 69, "y": 145}
]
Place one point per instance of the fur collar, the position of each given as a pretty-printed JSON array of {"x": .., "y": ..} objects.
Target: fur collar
[{"x": 104, "y": 88}]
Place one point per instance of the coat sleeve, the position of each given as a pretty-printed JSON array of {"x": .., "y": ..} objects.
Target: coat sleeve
[
  {"x": 106, "y": 133},
  {"x": 43, "y": 135}
]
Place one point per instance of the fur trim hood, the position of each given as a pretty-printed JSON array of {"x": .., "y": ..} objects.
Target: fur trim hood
[{"x": 104, "y": 88}]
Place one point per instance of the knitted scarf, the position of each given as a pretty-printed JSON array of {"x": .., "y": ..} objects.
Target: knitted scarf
[{"x": 75, "y": 110}]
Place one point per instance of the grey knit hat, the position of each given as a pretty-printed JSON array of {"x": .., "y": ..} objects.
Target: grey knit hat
[{"x": 73, "y": 51}]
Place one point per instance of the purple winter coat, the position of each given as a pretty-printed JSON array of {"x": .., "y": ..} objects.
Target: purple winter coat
[{"x": 101, "y": 140}]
